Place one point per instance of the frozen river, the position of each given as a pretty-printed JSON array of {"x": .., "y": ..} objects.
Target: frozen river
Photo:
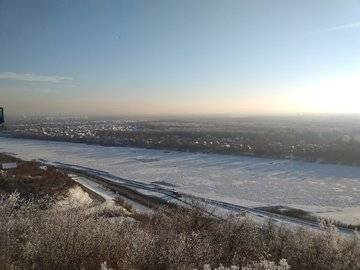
[{"x": 326, "y": 189}]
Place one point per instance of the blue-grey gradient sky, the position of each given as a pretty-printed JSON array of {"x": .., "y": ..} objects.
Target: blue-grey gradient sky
[{"x": 180, "y": 57}]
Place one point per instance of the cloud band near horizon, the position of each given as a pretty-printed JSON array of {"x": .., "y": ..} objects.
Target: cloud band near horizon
[{"x": 30, "y": 77}]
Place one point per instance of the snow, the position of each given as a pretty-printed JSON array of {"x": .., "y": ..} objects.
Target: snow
[
  {"x": 76, "y": 197},
  {"x": 349, "y": 215},
  {"x": 108, "y": 195},
  {"x": 332, "y": 190}
]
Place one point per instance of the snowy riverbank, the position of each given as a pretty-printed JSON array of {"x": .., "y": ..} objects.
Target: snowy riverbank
[{"x": 331, "y": 190}]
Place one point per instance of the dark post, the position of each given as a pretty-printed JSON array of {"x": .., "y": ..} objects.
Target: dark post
[{"x": 2, "y": 117}]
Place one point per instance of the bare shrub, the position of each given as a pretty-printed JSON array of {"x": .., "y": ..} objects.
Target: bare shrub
[
  {"x": 33, "y": 237},
  {"x": 262, "y": 265},
  {"x": 120, "y": 201}
]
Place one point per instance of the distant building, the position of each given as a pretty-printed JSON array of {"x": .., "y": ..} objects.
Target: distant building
[
  {"x": 10, "y": 165},
  {"x": 2, "y": 117}
]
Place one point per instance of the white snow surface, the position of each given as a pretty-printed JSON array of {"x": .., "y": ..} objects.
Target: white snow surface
[
  {"x": 108, "y": 195},
  {"x": 247, "y": 181}
]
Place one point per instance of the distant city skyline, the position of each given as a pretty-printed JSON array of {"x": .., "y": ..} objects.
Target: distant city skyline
[{"x": 179, "y": 57}]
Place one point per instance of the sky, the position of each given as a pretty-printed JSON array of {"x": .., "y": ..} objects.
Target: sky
[{"x": 179, "y": 57}]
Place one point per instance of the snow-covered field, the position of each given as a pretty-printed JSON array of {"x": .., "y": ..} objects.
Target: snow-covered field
[{"x": 330, "y": 190}]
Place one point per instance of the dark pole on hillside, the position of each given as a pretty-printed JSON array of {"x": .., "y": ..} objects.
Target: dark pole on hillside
[{"x": 2, "y": 116}]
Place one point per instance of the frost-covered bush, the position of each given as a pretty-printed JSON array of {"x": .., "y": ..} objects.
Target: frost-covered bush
[
  {"x": 34, "y": 237},
  {"x": 268, "y": 265},
  {"x": 262, "y": 265}
]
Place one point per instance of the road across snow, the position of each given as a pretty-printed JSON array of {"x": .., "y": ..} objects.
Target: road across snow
[{"x": 249, "y": 181}]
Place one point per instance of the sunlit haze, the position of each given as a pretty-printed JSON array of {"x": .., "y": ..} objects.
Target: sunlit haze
[{"x": 179, "y": 57}]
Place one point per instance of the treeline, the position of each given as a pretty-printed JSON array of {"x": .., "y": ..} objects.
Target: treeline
[{"x": 330, "y": 147}]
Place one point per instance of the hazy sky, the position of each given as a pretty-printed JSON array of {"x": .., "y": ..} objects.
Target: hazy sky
[{"x": 180, "y": 57}]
